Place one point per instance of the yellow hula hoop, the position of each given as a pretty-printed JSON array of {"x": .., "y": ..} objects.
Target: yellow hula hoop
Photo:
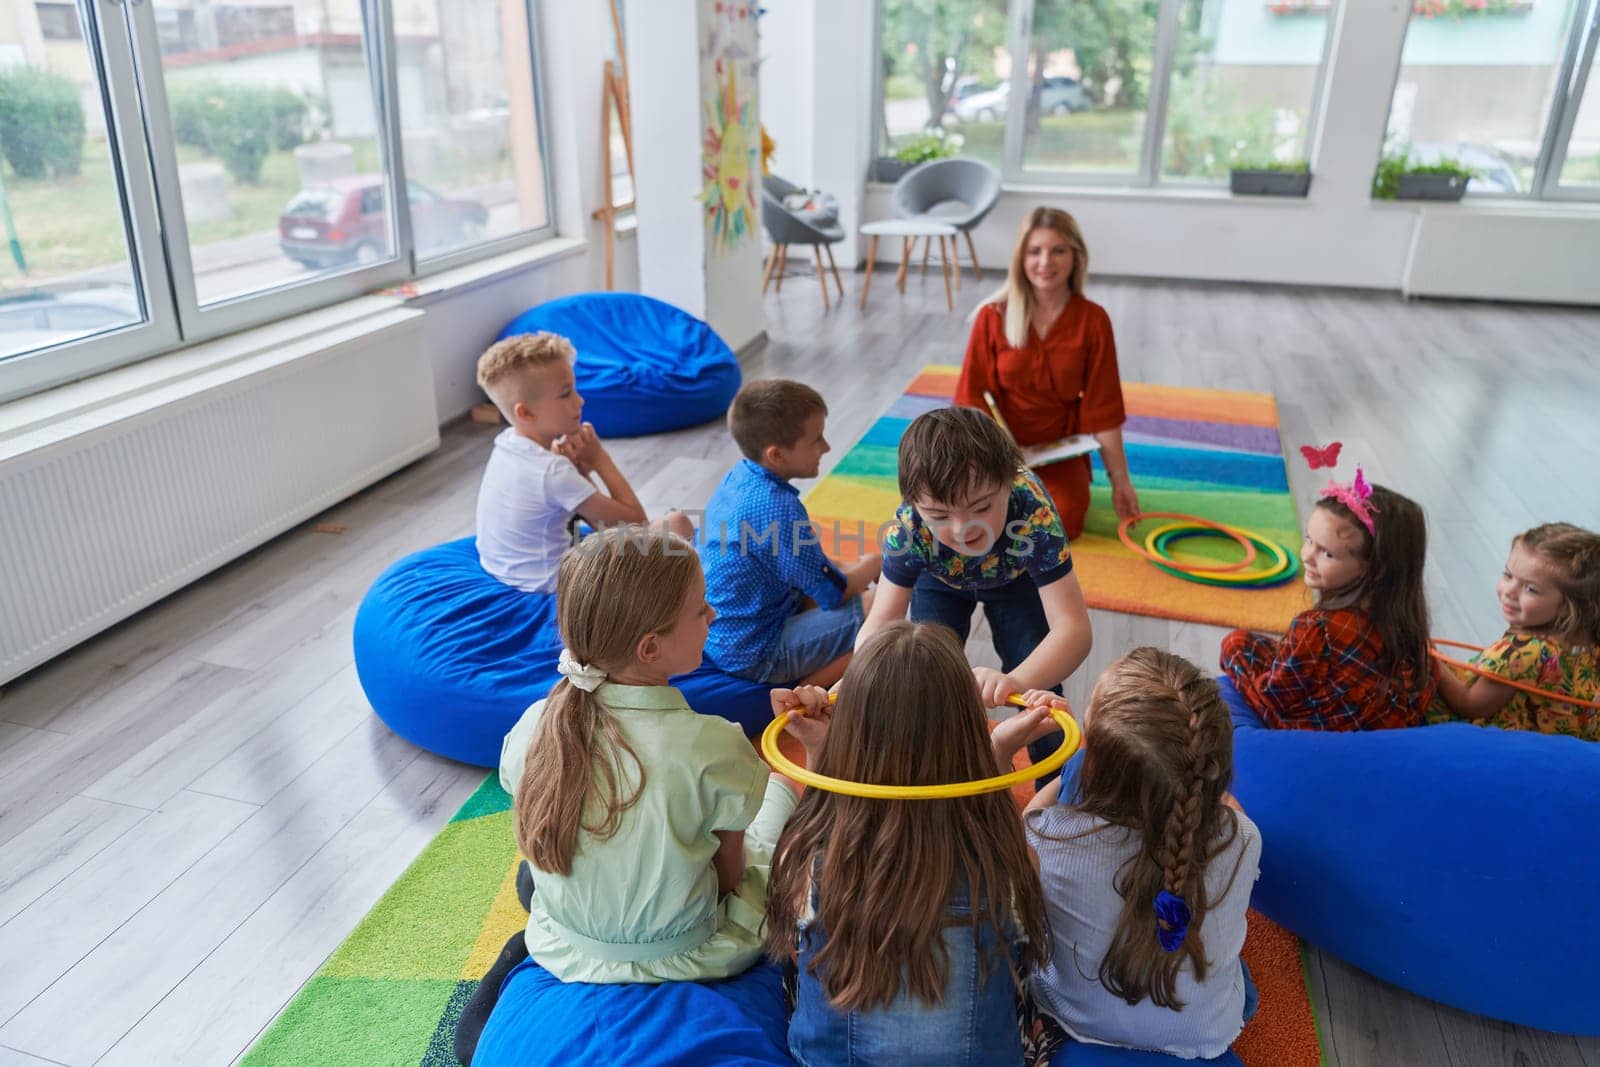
[
  {"x": 1280, "y": 556},
  {"x": 784, "y": 765}
]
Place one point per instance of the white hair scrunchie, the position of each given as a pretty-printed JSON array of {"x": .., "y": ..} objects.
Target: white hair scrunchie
[{"x": 581, "y": 675}]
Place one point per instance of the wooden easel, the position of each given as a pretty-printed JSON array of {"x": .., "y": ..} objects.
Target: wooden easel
[{"x": 614, "y": 94}]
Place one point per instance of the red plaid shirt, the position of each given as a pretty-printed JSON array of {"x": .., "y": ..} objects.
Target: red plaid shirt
[{"x": 1323, "y": 675}]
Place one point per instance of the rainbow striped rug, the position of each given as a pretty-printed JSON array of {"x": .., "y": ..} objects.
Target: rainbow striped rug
[{"x": 1205, "y": 452}]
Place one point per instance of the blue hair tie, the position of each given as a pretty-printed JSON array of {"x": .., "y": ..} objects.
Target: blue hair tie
[{"x": 1172, "y": 920}]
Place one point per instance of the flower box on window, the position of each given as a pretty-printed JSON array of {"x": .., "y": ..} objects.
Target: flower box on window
[
  {"x": 1252, "y": 181},
  {"x": 1423, "y": 8}
]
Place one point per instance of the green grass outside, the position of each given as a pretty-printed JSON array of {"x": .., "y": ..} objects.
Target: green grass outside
[
  {"x": 1106, "y": 140},
  {"x": 67, "y": 225},
  {"x": 1581, "y": 171}
]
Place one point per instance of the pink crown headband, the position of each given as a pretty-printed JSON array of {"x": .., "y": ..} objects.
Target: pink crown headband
[{"x": 1355, "y": 496}]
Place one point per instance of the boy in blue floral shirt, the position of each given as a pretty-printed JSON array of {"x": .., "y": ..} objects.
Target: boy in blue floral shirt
[{"x": 978, "y": 527}]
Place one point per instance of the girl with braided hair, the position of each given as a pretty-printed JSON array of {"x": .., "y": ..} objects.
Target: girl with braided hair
[
  {"x": 1549, "y": 597},
  {"x": 1147, "y": 868}
]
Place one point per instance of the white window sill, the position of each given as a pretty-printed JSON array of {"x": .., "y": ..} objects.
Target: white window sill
[
  {"x": 1219, "y": 194},
  {"x": 35, "y": 420},
  {"x": 430, "y": 287}
]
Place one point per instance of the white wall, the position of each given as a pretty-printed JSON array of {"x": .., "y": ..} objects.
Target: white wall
[
  {"x": 681, "y": 52},
  {"x": 816, "y": 101},
  {"x": 1337, "y": 236}
]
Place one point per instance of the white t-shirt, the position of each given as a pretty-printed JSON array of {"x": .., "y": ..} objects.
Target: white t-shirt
[
  {"x": 527, "y": 497},
  {"x": 1080, "y": 856}
]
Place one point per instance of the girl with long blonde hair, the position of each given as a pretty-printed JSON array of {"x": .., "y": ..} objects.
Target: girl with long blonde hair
[
  {"x": 648, "y": 827},
  {"x": 1046, "y": 355},
  {"x": 1147, "y": 868},
  {"x": 911, "y": 921}
]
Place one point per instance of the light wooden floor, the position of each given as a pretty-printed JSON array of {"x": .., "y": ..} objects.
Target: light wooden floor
[{"x": 197, "y": 806}]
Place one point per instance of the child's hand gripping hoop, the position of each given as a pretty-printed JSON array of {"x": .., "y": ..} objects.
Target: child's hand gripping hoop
[
  {"x": 1482, "y": 672},
  {"x": 782, "y": 764}
]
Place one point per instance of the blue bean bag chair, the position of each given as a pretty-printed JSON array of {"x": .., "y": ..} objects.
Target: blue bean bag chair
[
  {"x": 643, "y": 366},
  {"x": 1458, "y": 862},
  {"x": 450, "y": 658},
  {"x": 540, "y": 1021}
]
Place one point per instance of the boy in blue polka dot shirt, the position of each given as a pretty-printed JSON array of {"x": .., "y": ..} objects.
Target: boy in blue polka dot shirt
[{"x": 764, "y": 569}]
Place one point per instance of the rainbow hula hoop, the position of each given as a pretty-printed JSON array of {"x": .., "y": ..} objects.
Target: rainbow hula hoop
[
  {"x": 1284, "y": 565},
  {"x": 1482, "y": 672},
  {"x": 1204, "y": 568},
  {"x": 784, "y": 765}
]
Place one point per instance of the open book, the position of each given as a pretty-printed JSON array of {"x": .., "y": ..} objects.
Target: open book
[{"x": 1079, "y": 444}]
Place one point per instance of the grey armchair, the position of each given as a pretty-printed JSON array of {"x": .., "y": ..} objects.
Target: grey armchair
[
  {"x": 957, "y": 191},
  {"x": 786, "y": 227}
]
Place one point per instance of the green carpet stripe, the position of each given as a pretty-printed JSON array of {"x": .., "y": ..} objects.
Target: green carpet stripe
[
  {"x": 1271, "y": 515},
  {"x": 488, "y": 799},
  {"x": 870, "y": 462},
  {"x": 426, "y": 925},
  {"x": 338, "y": 1022}
]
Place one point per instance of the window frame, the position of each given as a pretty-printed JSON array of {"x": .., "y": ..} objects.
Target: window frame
[
  {"x": 1560, "y": 116},
  {"x": 203, "y": 321},
  {"x": 104, "y": 29},
  {"x": 124, "y": 54},
  {"x": 422, "y": 267},
  {"x": 1566, "y": 104}
]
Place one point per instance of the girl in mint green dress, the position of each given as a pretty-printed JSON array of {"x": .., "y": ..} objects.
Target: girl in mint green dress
[{"x": 649, "y": 827}]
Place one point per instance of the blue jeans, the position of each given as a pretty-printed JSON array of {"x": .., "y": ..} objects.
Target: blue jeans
[
  {"x": 974, "y": 1026},
  {"x": 1016, "y": 619},
  {"x": 810, "y": 641}
]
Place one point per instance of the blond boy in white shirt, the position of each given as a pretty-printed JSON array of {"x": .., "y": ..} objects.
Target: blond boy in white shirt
[{"x": 539, "y": 474}]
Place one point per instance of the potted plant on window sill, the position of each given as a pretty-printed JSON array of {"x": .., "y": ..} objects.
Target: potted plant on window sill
[
  {"x": 1270, "y": 178},
  {"x": 937, "y": 143},
  {"x": 1398, "y": 178}
]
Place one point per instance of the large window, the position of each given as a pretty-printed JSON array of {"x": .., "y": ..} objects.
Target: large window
[
  {"x": 281, "y": 136},
  {"x": 1244, "y": 86},
  {"x": 945, "y": 67},
  {"x": 1498, "y": 87},
  {"x": 1129, "y": 92},
  {"x": 1581, "y": 168}
]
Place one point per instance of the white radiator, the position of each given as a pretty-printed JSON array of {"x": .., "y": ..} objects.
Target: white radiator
[
  {"x": 124, "y": 503},
  {"x": 1545, "y": 252}
]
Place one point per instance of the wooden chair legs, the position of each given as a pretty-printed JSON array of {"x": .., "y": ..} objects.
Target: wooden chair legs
[
  {"x": 834, "y": 266},
  {"x": 772, "y": 261},
  {"x": 822, "y": 276},
  {"x": 974, "y": 250},
  {"x": 778, "y": 259}
]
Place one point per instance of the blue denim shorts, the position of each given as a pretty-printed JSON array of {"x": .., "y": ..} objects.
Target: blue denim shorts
[{"x": 810, "y": 641}]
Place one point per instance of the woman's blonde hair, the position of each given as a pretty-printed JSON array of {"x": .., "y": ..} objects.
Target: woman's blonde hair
[
  {"x": 612, "y": 591},
  {"x": 1017, "y": 295},
  {"x": 908, "y": 714},
  {"x": 1574, "y": 553},
  {"x": 1158, "y": 759}
]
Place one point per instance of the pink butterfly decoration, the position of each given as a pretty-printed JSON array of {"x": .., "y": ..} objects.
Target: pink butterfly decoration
[
  {"x": 1362, "y": 489},
  {"x": 1322, "y": 457}
]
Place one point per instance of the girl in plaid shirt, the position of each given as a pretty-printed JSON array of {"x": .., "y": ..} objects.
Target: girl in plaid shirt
[{"x": 1359, "y": 659}]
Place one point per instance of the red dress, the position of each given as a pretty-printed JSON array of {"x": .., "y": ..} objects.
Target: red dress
[
  {"x": 1061, "y": 384},
  {"x": 1323, "y": 675}
]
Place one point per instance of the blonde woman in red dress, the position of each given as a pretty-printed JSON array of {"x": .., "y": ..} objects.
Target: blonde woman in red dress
[{"x": 1046, "y": 354}]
